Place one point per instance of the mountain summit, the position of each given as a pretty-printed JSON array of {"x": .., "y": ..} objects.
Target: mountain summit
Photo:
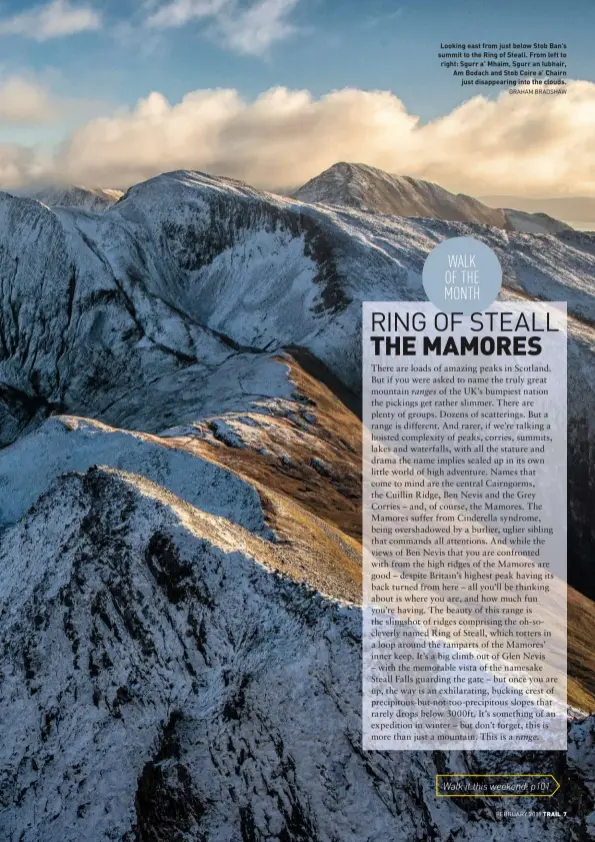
[
  {"x": 78, "y": 196},
  {"x": 369, "y": 189}
]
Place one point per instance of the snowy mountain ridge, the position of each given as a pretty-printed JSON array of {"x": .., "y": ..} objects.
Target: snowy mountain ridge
[
  {"x": 179, "y": 516},
  {"x": 359, "y": 186},
  {"x": 148, "y": 672}
]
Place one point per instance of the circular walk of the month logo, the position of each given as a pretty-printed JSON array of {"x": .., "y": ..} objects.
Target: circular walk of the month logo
[{"x": 462, "y": 275}]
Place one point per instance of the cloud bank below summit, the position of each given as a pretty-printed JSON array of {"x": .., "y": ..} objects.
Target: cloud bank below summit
[{"x": 537, "y": 145}]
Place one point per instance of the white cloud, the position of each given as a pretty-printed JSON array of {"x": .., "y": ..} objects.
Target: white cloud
[
  {"x": 19, "y": 167},
  {"x": 24, "y": 101},
  {"x": 252, "y": 31},
  {"x": 180, "y": 12},
  {"x": 52, "y": 20},
  {"x": 249, "y": 30},
  {"x": 534, "y": 145}
]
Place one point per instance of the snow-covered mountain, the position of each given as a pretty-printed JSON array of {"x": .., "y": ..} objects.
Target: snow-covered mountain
[
  {"x": 180, "y": 514},
  {"x": 162, "y": 681},
  {"x": 77, "y": 196},
  {"x": 189, "y": 273},
  {"x": 369, "y": 189},
  {"x": 534, "y": 223}
]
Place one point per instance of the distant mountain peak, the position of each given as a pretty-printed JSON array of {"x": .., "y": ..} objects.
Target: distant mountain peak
[
  {"x": 368, "y": 188},
  {"x": 78, "y": 196}
]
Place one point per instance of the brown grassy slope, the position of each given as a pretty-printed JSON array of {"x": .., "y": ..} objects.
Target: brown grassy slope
[
  {"x": 322, "y": 478},
  {"x": 581, "y": 651},
  {"x": 317, "y": 465}
]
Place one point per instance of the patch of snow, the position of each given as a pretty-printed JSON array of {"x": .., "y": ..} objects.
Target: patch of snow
[{"x": 62, "y": 445}]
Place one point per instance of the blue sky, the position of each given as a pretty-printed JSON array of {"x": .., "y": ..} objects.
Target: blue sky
[
  {"x": 372, "y": 44},
  {"x": 94, "y": 56}
]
